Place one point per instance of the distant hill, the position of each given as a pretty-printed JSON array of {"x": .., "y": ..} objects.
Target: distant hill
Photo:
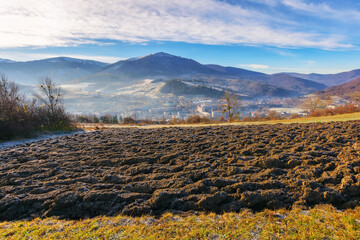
[
  {"x": 343, "y": 89},
  {"x": 178, "y": 88},
  {"x": 60, "y": 69},
  {"x": 158, "y": 65},
  {"x": 329, "y": 79},
  {"x": 295, "y": 84},
  {"x": 258, "y": 90}
]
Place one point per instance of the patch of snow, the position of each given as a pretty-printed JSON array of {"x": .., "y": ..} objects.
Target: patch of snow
[
  {"x": 31, "y": 140},
  {"x": 71, "y": 60},
  {"x": 159, "y": 54},
  {"x": 162, "y": 54},
  {"x": 146, "y": 87},
  {"x": 133, "y": 59}
]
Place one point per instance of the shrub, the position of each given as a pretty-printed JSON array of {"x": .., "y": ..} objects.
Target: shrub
[
  {"x": 129, "y": 120},
  {"x": 21, "y": 118},
  {"x": 273, "y": 115},
  {"x": 176, "y": 121},
  {"x": 109, "y": 119},
  {"x": 294, "y": 115},
  {"x": 16, "y": 115},
  {"x": 197, "y": 119},
  {"x": 91, "y": 118}
]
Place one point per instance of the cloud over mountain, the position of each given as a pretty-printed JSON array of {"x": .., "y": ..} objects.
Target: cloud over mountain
[{"x": 42, "y": 23}]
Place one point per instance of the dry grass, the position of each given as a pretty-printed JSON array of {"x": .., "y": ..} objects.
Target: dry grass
[
  {"x": 341, "y": 117},
  {"x": 321, "y": 222}
]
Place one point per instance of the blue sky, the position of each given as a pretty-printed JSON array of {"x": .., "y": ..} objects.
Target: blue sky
[{"x": 262, "y": 35}]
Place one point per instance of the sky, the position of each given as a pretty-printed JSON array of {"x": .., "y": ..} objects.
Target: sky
[{"x": 269, "y": 36}]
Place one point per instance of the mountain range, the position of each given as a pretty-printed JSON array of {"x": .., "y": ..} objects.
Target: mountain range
[
  {"x": 329, "y": 79},
  {"x": 161, "y": 66},
  {"x": 60, "y": 69}
]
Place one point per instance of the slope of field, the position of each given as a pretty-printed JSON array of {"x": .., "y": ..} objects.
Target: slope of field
[
  {"x": 334, "y": 118},
  {"x": 205, "y": 169}
]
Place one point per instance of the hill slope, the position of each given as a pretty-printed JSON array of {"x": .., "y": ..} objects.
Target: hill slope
[
  {"x": 329, "y": 79},
  {"x": 343, "y": 89},
  {"x": 60, "y": 69},
  {"x": 233, "y": 71},
  {"x": 179, "y": 88},
  {"x": 294, "y": 83}
]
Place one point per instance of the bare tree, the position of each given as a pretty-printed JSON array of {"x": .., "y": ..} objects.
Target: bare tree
[
  {"x": 313, "y": 103},
  {"x": 50, "y": 95},
  {"x": 231, "y": 106},
  {"x": 9, "y": 95},
  {"x": 52, "y": 111}
]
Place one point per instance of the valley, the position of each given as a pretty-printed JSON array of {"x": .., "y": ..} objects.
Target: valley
[{"x": 139, "y": 87}]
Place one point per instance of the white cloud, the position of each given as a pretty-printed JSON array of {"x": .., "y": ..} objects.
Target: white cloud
[
  {"x": 281, "y": 52},
  {"x": 43, "y": 23},
  {"x": 255, "y": 66},
  {"x": 323, "y": 10}
]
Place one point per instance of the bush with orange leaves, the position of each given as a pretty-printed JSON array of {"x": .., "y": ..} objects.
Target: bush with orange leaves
[{"x": 348, "y": 108}]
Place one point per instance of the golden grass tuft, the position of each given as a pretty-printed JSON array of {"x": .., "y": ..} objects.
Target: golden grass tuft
[{"x": 320, "y": 222}]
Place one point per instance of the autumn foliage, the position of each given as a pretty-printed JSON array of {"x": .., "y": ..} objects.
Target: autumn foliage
[{"x": 348, "y": 108}]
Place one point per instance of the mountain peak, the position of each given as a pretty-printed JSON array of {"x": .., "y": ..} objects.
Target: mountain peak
[
  {"x": 158, "y": 54},
  {"x": 162, "y": 54},
  {"x": 67, "y": 59}
]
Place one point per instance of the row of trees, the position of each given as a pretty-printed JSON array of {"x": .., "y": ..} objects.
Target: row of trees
[
  {"x": 315, "y": 103},
  {"x": 92, "y": 118},
  {"x": 20, "y": 117}
]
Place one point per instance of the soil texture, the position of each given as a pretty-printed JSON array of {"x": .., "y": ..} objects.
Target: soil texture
[{"x": 136, "y": 171}]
